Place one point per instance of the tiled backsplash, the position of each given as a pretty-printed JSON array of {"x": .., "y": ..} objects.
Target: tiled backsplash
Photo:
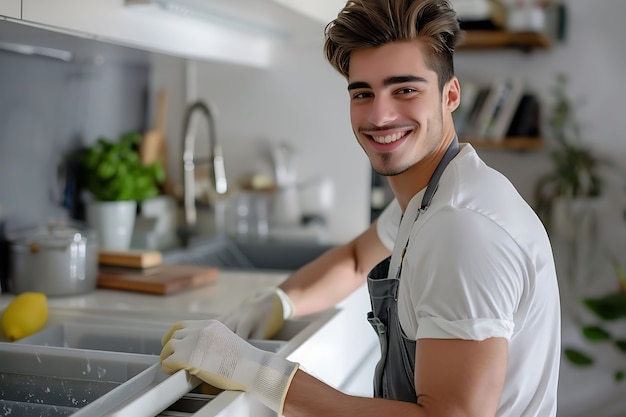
[{"x": 49, "y": 107}]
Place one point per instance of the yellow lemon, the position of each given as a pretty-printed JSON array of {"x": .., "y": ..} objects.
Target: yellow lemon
[{"x": 26, "y": 314}]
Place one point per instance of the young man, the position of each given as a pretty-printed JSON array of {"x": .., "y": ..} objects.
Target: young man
[{"x": 467, "y": 303}]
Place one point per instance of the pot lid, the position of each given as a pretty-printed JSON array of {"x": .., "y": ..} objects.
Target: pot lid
[{"x": 54, "y": 234}]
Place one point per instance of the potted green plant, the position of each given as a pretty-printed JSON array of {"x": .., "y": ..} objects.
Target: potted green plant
[
  {"x": 568, "y": 200},
  {"x": 575, "y": 175},
  {"x": 607, "y": 311},
  {"x": 116, "y": 180}
]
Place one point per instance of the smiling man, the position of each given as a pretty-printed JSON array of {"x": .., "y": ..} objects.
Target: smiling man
[{"x": 460, "y": 270}]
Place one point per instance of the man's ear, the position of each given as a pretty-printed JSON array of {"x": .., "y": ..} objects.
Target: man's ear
[{"x": 452, "y": 94}]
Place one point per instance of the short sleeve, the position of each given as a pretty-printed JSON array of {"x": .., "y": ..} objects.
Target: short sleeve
[{"x": 465, "y": 278}]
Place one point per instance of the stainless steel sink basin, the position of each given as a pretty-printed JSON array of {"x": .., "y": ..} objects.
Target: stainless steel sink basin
[
  {"x": 114, "y": 338},
  {"x": 89, "y": 362},
  {"x": 225, "y": 253},
  {"x": 40, "y": 390},
  {"x": 51, "y": 381}
]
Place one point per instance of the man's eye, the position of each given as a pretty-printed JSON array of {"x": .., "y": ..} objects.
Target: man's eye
[
  {"x": 407, "y": 90},
  {"x": 361, "y": 95}
]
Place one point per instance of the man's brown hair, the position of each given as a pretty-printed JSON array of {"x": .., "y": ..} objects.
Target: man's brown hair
[{"x": 370, "y": 23}]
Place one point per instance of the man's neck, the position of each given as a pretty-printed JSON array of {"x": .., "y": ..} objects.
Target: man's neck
[{"x": 416, "y": 178}]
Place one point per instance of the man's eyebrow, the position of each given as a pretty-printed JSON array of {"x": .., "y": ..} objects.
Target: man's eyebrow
[
  {"x": 397, "y": 79},
  {"x": 358, "y": 84}
]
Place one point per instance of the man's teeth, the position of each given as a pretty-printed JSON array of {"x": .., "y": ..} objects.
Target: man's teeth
[{"x": 388, "y": 138}]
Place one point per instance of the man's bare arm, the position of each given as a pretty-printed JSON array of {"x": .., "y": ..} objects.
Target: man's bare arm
[
  {"x": 335, "y": 274},
  {"x": 453, "y": 378}
]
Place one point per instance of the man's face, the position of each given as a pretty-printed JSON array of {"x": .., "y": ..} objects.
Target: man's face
[{"x": 396, "y": 108}]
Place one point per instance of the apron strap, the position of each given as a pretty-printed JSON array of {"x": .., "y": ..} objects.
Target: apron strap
[{"x": 433, "y": 185}]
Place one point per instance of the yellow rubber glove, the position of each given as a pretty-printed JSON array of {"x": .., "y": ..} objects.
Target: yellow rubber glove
[
  {"x": 261, "y": 315},
  {"x": 222, "y": 359}
]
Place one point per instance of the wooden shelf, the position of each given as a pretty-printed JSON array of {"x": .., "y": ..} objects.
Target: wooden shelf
[
  {"x": 494, "y": 39},
  {"x": 512, "y": 144}
]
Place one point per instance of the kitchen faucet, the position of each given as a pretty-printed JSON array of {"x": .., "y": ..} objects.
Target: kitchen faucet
[{"x": 215, "y": 160}]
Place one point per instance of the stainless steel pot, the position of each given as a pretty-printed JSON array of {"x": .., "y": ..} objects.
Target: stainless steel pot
[{"x": 57, "y": 259}]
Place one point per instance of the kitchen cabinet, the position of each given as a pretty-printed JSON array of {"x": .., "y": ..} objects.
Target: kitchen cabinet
[
  {"x": 321, "y": 10},
  {"x": 236, "y": 31},
  {"x": 11, "y": 8}
]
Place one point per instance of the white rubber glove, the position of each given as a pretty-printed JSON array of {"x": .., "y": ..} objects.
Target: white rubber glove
[
  {"x": 220, "y": 358},
  {"x": 261, "y": 315}
]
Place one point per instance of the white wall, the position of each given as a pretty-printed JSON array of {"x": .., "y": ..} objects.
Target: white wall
[{"x": 300, "y": 99}]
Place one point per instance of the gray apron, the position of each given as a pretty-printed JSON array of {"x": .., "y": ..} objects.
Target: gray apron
[{"x": 394, "y": 373}]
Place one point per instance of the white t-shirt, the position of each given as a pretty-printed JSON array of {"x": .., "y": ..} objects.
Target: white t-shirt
[{"x": 478, "y": 265}]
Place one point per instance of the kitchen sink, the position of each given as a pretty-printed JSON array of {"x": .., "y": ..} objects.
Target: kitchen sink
[
  {"x": 115, "y": 338},
  {"x": 90, "y": 362},
  {"x": 226, "y": 253},
  {"x": 52, "y": 381}
]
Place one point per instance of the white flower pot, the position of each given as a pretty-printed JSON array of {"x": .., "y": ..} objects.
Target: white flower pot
[
  {"x": 113, "y": 221},
  {"x": 576, "y": 218}
]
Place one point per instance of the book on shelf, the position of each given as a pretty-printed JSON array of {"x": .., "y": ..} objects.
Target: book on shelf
[
  {"x": 493, "y": 111},
  {"x": 469, "y": 92},
  {"x": 484, "y": 113},
  {"x": 469, "y": 127},
  {"x": 526, "y": 120},
  {"x": 504, "y": 111}
]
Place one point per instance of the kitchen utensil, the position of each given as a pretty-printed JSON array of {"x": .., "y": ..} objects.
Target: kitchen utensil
[
  {"x": 153, "y": 141},
  {"x": 155, "y": 147},
  {"x": 164, "y": 210},
  {"x": 284, "y": 163},
  {"x": 162, "y": 279},
  {"x": 248, "y": 217},
  {"x": 57, "y": 259},
  {"x": 133, "y": 258},
  {"x": 317, "y": 196},
  {"x": 285, "y": 207}
]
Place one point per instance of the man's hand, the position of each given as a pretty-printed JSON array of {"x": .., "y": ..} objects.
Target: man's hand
[
  {"x": 261, "y": 315},
  {"x": 220, "y": 358}
]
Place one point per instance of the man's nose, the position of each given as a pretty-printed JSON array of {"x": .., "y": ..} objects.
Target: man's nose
[{"x": 382, "y": 111}]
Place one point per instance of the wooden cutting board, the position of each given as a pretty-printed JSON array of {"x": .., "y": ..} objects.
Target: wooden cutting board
[
  {"x": 163, "y": 279},
  {"x": 130, "y": 258}
]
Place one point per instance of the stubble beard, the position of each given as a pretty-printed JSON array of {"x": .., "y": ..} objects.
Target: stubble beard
[{"x": 386, "y": 170}]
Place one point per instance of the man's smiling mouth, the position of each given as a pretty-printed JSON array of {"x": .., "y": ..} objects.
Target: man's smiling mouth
[{"x": 389, "y": 138}]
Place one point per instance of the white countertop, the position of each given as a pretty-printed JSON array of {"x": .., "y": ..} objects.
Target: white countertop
[{"x": 230, "y": 288}]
